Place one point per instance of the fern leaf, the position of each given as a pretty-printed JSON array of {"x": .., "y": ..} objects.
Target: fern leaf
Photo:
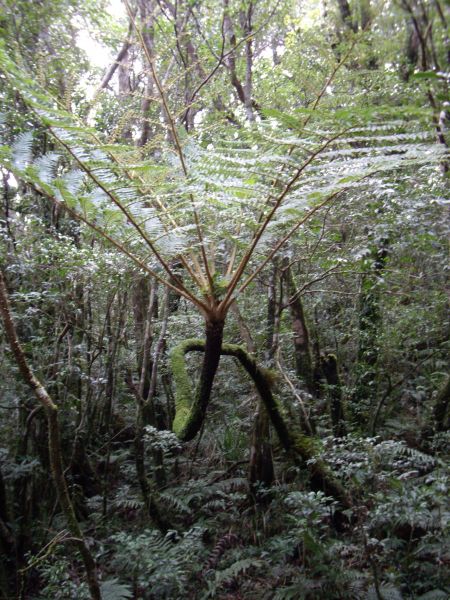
[
  {"x": 113, "y": 590},
  {"x": 237, "y": 569},
  {"x": 22, "y": 150}
]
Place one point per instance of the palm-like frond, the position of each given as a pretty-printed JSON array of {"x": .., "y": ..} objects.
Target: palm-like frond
[{"x": 239, "y": 197}]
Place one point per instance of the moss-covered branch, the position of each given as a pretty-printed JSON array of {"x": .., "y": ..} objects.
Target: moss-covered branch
[{"x": 295, "y": 443}]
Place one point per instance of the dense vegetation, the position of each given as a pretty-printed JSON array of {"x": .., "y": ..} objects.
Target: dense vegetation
[{"x": 223, "y": 269}]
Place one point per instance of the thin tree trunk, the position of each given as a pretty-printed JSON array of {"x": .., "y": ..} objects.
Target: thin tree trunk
[
  {"x": 441, "y": 405},
  {"x": 334, "y": 392},
  {"x": 54, "y": 442},
  {"x": 369, "y": 326},
  {"x": 302, "y": 350}
]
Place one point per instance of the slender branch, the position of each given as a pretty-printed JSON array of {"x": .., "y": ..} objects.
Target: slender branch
[
  {"x": 113, "y": 68},
  {"x": 183, "y": 292},
  {"x": 340, "y": 64},
  {"x": 297, "y": 396},
  {"x": 197, "y": 278},
  {"x": 333, "y": 74},
  {"x": 119, "y": 205}
]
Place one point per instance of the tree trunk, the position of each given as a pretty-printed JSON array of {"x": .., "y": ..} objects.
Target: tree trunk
[
  {"x": 369, "y": 328},
  {"x": 441, "y": 422},
  {"x": 330, "y": 370},
  {"x": 192, "y": 419},
  {"x": 302, "y": 350},
  {"x": 54, "y": 443},
  {"x": 299, "y": 446},
  {"x": 262, "y": 470}
]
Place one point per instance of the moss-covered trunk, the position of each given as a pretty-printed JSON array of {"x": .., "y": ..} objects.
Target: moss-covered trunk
[
  {"x": 299, "y": 446},
  {"x": 188, "y": 424},
  {"x": 370, "y": 323}
]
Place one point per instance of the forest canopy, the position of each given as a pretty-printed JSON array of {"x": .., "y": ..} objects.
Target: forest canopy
[{"x": 224, "y": 333}]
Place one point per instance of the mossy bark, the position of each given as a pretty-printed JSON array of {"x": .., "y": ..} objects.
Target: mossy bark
[
  {"x": 370, "y": 323},
  {"x": 54, "y": 443},
  {"x": 296, "y": 444},
  {"x": 189, "y": 415},
  {"x": 261, "y": 459}
]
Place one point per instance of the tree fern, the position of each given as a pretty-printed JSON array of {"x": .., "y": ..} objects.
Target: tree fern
[
  {"x": 249, "y": 191},
  {"x": 224, "y": 209}
]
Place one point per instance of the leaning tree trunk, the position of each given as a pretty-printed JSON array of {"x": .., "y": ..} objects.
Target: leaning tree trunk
[{"x": 54, "y": 443}]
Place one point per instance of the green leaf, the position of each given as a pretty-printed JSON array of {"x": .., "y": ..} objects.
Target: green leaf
[{"x": 111, "y": 589}]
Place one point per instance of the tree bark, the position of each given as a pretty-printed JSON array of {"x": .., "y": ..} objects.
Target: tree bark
[
  {"x": 54, "y": 442},
  {"x": 302, "y": 350},
  {"x": 188, "y": 428}
]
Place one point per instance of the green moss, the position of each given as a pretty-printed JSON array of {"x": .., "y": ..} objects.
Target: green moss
[
  {"x": 184, "y": 395},
  {"x": 302, "y": 448}
]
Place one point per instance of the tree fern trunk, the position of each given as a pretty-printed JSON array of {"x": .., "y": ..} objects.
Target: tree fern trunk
[
  {"x": 211, "y": 358},
  {"x": 300, "y": 447}
]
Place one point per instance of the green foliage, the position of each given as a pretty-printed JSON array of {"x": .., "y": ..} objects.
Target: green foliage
[
  {"x": 114, "y": 590},
  {"x": 343, "y": 135},
  {"x": 160, "y": 565}
]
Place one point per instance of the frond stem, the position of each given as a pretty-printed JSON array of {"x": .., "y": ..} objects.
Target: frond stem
[
  {"x": 176, "y": 139},
  {"x": 248, "y": 254}
]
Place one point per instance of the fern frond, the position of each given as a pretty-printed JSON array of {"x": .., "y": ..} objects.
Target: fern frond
[
  {"x": 113, "y": 590},
  {"x": 237, "y": 569},
  {"x": 22, "y": 150}
]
